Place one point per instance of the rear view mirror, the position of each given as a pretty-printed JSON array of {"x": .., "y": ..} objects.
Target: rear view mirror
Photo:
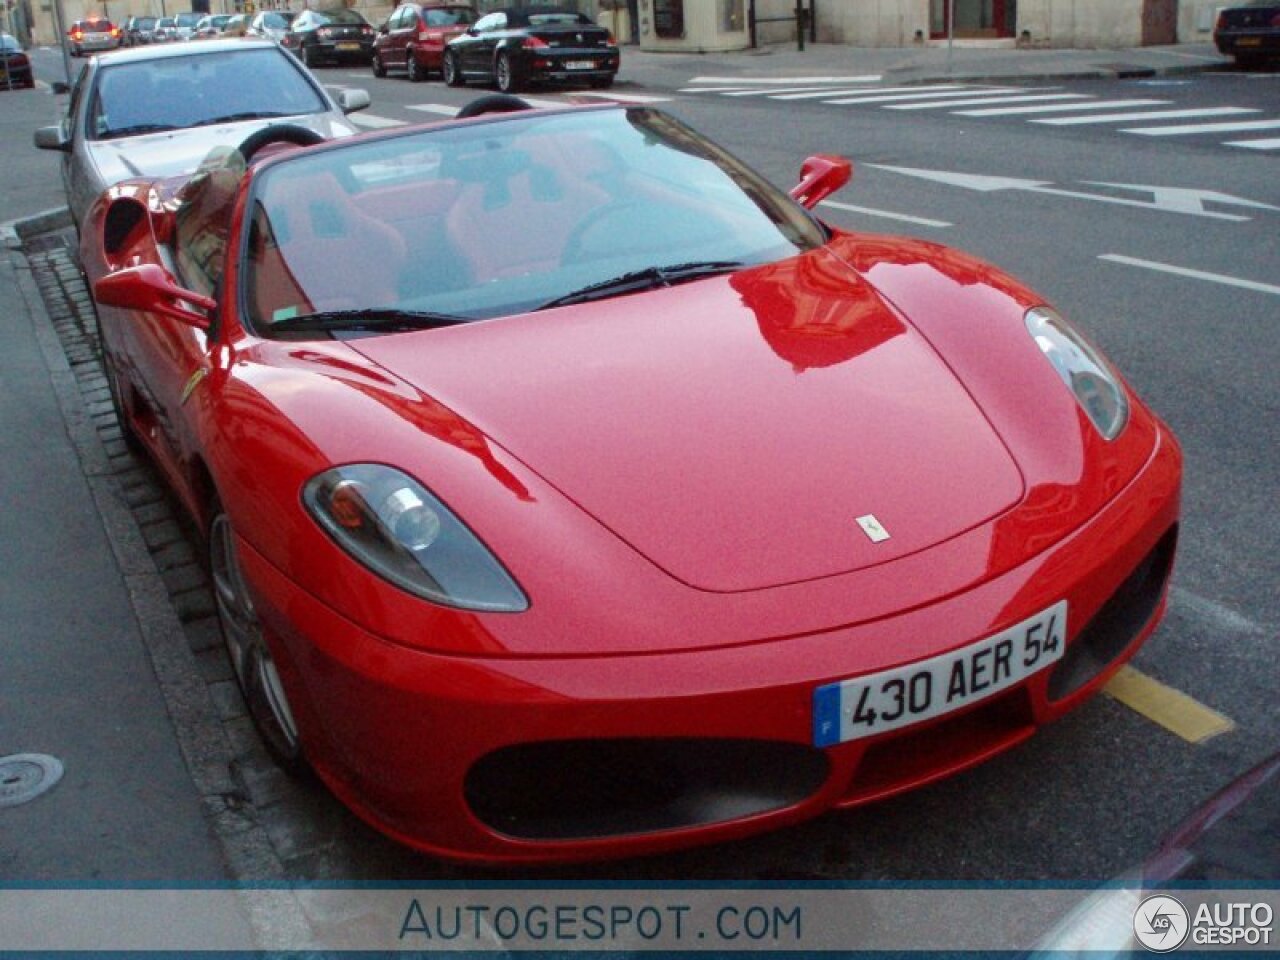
[
  {"x": 820, "y": 176},
  {"x": 51, "y": 138},
  {"x": 349, "y": 101},
  {"x": 149, "y": 288}
]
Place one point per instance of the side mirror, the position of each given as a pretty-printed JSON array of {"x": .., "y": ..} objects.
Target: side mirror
[
  {"x": 820, "y": 176},
  {"x": 51, "y": 138},
  {"x": 382, "y": 27},
  {"x": 61, "y": 88},
  {"x": 472, "y": 32},
  {"x": 352, "y": 100},
  {"x": 149, "y": 287}
]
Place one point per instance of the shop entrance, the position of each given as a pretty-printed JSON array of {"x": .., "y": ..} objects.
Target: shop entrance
[{"x": 974, "y": 19}]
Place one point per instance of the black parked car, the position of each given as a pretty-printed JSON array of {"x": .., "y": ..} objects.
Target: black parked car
[
  {"x": 516, "y": 48},
  {"x": 1249, "y": 32},
  {"x": 329, "y": 36}
]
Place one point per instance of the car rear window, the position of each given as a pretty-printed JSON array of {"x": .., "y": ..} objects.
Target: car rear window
[{"x": 448, "y": 16}]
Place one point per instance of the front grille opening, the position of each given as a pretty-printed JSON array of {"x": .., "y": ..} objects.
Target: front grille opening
[
  {"x": 1118, "y": 623},
  {"x": 577, "y": 789},
  {"x": 939, "y": 749}
]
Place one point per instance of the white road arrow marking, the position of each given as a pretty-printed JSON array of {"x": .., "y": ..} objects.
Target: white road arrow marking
[{"x": 1166, "y": 199}]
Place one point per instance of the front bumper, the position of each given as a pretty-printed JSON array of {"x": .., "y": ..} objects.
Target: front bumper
[{"x": 545, "y": 759}]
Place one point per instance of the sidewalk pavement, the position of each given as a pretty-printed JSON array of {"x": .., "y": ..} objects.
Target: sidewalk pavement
[
  {"x": 912, "y": 65},
  {"x": 76, "y": 680}
]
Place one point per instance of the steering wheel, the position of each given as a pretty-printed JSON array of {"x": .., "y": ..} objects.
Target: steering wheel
[
  {"x": 278, "y": 133},
  {"x": 494, "y": 103}
]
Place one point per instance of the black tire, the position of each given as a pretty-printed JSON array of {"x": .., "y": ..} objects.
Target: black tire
[
  {"x": 309, "y": 58},
  {"x": 247, "y": 648},
  {"x": 376, "y": 65},
  {"x": 414, "y": 70},
  {"x": 452, "y": 72},
  {"x": 504, "y": 74}
]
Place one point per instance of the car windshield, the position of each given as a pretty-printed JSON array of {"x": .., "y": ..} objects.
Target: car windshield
[
  {"x": 448, "y": 16},
  {"x": 188, "y": 19},
  {"x": 507, "y": 216},
  {"x": 168, "y": 93},
  {"x": 96, "y": 26},
  {"x": 278, "y": 21}
]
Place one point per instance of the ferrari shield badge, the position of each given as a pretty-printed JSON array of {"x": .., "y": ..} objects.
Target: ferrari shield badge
[{"x": 872, "y": 528}]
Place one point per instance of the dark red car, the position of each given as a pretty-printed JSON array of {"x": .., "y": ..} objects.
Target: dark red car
[
  {"x": 572, "y": 491},
  {"x": 414, "y": 36}
]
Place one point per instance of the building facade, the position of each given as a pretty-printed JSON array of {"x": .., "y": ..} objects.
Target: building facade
[{"x": 710, "y": 25}]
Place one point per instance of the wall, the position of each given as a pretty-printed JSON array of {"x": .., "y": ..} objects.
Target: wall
[{"x": 1087, "y": 24}]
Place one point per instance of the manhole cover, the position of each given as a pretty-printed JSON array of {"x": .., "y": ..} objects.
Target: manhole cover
[{"x": 24, "y": 776}]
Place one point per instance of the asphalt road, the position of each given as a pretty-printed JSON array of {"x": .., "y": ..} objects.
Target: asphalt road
[{"x": 1164, "y": 249}]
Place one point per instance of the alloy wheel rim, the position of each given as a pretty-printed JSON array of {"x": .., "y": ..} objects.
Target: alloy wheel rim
[{"x": 254, "y": 667}]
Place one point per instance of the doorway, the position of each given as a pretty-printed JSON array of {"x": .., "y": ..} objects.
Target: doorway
[{"x": 974, "y": 19}]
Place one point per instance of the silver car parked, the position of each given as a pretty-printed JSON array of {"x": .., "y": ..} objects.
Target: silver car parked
[{"x": 156, "y": 111}]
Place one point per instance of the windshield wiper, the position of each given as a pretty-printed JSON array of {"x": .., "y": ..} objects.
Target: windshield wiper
[
  {"x": 382, "y": 320},
  {"x": 137, "y": 129},
  {"x": 645, "y": 279},
  {"x": 245, "y": 115}
]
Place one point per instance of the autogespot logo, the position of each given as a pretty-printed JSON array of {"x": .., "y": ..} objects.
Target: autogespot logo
[{"x": 1161, "y": 924}]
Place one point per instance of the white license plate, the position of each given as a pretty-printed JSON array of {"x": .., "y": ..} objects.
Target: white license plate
[
  {"x": 874, "y": 704},
  {"x": 579, "y": 64},
  {"x": 348, "y": 46}
]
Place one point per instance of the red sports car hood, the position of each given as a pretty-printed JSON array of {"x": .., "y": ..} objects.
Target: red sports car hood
[{"x": 732, "y": 430}]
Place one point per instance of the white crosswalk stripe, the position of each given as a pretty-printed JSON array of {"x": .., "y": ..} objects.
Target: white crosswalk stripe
[
  {"x": 1146, "y": 115},
  {"x": 1271, "y": 144},
  {"x": 1061, "y": 107},
  {"x": 1205, "y": 128},
  {"x": 1036, "y": 104}
]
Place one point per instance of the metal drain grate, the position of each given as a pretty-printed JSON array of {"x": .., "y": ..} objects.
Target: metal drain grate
[{"x": 24, "y": 776}]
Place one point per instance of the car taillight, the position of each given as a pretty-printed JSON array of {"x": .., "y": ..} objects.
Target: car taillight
[
  {"x": 1222, "y": 22},
  {"x": 324, "y": 32},
  {"x": 115, "y": 31},
  {"x": 366, "y": 31},
  {"x": 608, "y": 36},
  {"x": 77, "y": 34},
  {"x": 534, "y": 43},
  {"x": 1275, "y": 20}
]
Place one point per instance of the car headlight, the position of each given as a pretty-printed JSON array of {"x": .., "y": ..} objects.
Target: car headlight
[
  {"x": 391, "y": 524},
  {"x": 1082, "y": 369}
]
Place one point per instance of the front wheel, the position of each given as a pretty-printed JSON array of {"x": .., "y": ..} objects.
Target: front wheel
[
  {"x": 251, "y": 658},
  {"x": 377, "y": 66},
  {"x": 451, "y": 71},
  {"x": 504, "y": 74},
  {"x": 414, "y": 69}
]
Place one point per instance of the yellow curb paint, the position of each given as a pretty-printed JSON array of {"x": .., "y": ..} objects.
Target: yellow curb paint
[{"x": 1170, "y": 708}]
